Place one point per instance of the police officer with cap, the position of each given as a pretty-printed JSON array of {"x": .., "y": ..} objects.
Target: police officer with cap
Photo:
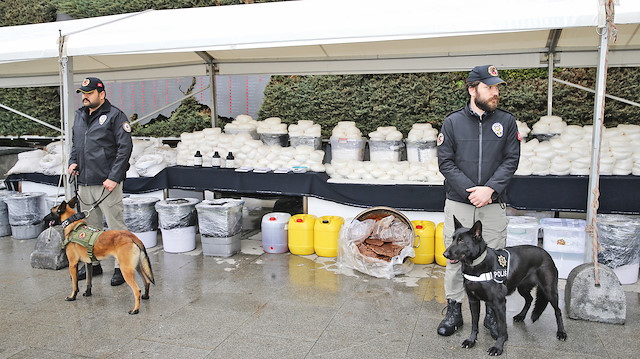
[
  {"x": 99, "y": 157},
  {"x": 478, "y": 153}
]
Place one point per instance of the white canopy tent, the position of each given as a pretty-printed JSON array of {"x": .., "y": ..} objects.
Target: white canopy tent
[{"x": 319, "y": 37}]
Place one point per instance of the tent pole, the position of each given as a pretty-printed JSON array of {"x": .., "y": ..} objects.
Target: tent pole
[
  {"x": 550, "y": 88},
  {"x": 211, "y": 68},
  {"x": 66, "y": 94},
  {"x": 591, "y": 254}
]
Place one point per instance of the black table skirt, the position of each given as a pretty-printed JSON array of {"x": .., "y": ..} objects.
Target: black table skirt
[{"x": 618, "y": 194}]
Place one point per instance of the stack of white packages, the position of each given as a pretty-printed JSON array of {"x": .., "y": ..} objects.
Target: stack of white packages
[
  {"x": 422, "y": 132},
  {"x": 569, "y": 151},
  {"x": 271, "y": 125},
  {"x": 548, "y": 125},
  {"x": 347, "y": 142},
  {"x": 421, "y": 143},
  {"x": 385, "y": 171},
  {"x": 242, "y": 124},
  {"x": 346, "y": 129},
  {"x": 305, "y": 128},
  {"x": 386, "y": 133},
  {"x": 247, "y": 151},
  {"x": 523, "y": 129}
]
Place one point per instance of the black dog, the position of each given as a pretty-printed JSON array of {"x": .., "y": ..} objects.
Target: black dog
[{"x": 490, "y": 275}]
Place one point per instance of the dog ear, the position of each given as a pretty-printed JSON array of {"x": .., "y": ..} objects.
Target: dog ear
[
  {"x": 72, "y": 202},
  {"x": 61, "y": 207},
  {"x": 456, "y": 223},
  {"x": 476, "y": 230}
]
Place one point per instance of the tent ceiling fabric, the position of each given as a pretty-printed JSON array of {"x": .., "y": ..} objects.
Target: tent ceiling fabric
[{"x": 319, "y": 37}]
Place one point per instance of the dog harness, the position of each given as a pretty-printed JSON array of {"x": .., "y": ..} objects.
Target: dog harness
[
  {"x": 84, "y": 236},
  {"x": 500, "y": 269}
]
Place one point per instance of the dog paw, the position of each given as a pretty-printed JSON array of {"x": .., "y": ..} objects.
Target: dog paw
[
  {"x": 70, "y": 299},
  {"x": 144, "y": 296},
  {"x": 468, "y": 343},
  {"x": 495, "y": 351},
  {"x": 561, "y": 336},
  {"x": 518, "y": 318},
  {"x": 87, "y": 293},
  {"x": 133, "y": 312}
]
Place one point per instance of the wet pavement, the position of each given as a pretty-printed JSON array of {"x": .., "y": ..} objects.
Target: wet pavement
[{"x": 260, "y": 305}]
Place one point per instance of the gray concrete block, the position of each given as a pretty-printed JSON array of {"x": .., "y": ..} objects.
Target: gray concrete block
[
  {"x": 584, "y": 300},
  {"x": 47, "y": 253}
]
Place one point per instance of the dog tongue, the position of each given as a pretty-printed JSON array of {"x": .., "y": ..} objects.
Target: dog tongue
[{"x": 453, "y": 261}]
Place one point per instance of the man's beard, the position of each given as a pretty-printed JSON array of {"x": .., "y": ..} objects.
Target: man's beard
[{"x": 486, "y": 105}]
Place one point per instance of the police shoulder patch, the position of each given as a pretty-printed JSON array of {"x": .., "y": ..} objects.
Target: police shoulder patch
[
  {"x": 126, "y": 126},
  {"x": 440, "y": 139}
]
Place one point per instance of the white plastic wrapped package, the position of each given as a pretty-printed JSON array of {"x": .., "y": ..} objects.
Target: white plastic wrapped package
[
  {"x": 176, "y": 212},
  {"x": 26, "y": 209},
  {"x": 354, "y": 234},
  {"x": 150, "y": 165},
  {"x": 619, "y": 238},
  {"x": 28, "y": 162},
  {"x": 51, "y": 164},
  {"x": 220, "y": 217},
  {"x": 140, "y": 214}
]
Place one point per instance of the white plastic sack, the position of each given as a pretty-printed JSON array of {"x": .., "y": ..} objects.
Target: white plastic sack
[
  {"x": 28, "y": 162},
  {"x": 150, "y": 165},
  {"x": 51, "y": 164}
]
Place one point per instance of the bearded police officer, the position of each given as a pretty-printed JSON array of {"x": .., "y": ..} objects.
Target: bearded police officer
[
  {"x": 99, "y": 156},
  {"x": 478, "y": 153}
]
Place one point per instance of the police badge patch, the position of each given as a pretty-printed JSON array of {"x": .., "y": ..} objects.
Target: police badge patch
[
  {"x": 497, "y": 129},
  {"x": 85, "y": 82},
  {"x": 440, "y": 139},
  {"x": 126, "y": 126},
  {"x": 492, "y": 70},
  {"x": 102, "y": 119}
]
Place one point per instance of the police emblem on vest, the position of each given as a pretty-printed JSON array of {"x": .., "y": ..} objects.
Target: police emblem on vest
[{"x": 84, "y": 236}]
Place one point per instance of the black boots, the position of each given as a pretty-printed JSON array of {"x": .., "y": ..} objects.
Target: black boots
[
  {"x": 117, "y": 278},
  {"x": 490, "y": 322},
  {"x": 452, "y": 320},
  {"x": 82, "y": 272}
]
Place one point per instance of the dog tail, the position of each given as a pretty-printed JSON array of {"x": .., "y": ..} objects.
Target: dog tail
[
  {"x": 541, "y": 304},
  {"x": 145, "y": 264}
]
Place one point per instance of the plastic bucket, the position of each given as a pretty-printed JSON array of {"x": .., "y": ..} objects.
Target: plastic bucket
[
  {"x": 425, "y": 242},
  {"x": 301, "y": 234},
  {"x": 26, "y": 211},
  {"x": 325, "y": 235},
  {"x": 220, "y": 217},
  {"x": 177, "y": 222}
]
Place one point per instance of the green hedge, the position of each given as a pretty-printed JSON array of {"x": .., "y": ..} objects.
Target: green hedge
[{"x": 403, "y": 99}]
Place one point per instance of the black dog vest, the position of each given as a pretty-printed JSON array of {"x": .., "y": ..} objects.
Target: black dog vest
[{"x": 500, "y": 269}]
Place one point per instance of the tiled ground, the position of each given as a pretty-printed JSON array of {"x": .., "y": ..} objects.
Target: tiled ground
[{"x": 259, "y": 305}]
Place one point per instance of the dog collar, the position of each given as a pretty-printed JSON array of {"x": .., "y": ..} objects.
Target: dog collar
[
  {"x": 74, "y": 217},
  {"x": 479, "y": 259}
]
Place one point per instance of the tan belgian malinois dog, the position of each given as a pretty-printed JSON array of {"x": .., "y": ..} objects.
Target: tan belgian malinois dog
[{"x": 123, "y": 245}]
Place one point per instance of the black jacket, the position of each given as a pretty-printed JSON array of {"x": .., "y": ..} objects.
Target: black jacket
[
  {"x": 478, "y": 152},
  {"x": 102, "y": 144}
]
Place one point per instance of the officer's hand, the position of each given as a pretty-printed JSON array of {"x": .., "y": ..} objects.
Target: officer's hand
[
  {"x": 109, "y": 184},
  {"x": 72, "y": 168},
  {"x": 480, "y": 195}
]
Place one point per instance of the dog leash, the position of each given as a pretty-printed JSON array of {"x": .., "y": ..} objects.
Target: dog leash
[{"x": 95, "y": 204}]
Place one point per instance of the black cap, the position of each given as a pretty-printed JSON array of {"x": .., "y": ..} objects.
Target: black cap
[
  {"x": 89, "y": 84},
  {"x": 487, "y": 74}
]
